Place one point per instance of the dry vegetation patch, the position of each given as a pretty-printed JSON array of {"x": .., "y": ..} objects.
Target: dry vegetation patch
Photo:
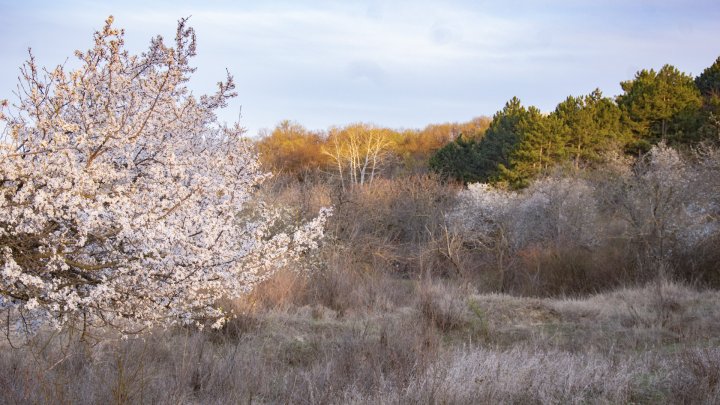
[{"x": 451, "y": 345}]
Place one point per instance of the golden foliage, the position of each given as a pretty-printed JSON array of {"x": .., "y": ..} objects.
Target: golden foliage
[{"x": 292, "y": 149}]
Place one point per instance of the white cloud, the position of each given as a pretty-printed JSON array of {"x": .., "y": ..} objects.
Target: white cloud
[{"x": 394, "y": 63}]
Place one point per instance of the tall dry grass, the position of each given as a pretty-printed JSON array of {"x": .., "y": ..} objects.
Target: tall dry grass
[{"x": 451, "y": 345}]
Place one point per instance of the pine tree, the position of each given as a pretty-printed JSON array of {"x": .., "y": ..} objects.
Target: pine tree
[
  {"x": 542, "y": 148},
  {"x": 501, "y": 141},
  {"x": 661, "y": 105},
  {"x": 457, "y": 160},
  {"x": 708, "y": 83},
  {"x": 592, "y": 126}
]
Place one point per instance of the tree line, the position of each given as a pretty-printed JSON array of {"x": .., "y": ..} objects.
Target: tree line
[
  {"x": 519, "y": 142},
  {"x": 358, "y": 153}
]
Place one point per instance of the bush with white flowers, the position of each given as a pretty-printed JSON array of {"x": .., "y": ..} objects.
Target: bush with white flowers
[{"x": 121, "y": 194}]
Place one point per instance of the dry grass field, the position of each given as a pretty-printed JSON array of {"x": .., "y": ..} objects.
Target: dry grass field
[{"x": 439, "y": 343}]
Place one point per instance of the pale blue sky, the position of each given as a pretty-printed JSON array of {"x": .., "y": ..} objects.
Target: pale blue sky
[{"x": 398, "y": 64}]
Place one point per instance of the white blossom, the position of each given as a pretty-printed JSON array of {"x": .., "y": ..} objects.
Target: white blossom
[{"x": 121, "y": 195}]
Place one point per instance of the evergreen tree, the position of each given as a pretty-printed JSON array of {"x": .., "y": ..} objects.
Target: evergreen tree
[
  {"x": 491, "y": 158},
  {"x": 457, "y": 160},
  {"x": 591, "y": 125},
  {"x": 539, "y": 147},
  {"x": 501, "y": 141},
  {"x": 661, "y": 105},
  {"x": 708, "y": 83}
]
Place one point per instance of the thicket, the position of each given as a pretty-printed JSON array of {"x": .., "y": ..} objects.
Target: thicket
[
  {"x": 628, "y": 222},
  {"x": 599, "y": 193}
]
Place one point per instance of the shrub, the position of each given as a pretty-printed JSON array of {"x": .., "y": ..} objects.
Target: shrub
[{"x": 120, "y": 193}]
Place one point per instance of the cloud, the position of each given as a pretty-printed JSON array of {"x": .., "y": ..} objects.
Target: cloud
[
  {"x": 395, "y": 63},
  {"x": 367, "y": 71}
]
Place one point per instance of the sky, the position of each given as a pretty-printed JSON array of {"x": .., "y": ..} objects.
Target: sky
[{"x": 400, "y": 64}]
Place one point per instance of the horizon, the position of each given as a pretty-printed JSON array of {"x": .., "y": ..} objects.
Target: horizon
[{"x": 401, "y": 65}]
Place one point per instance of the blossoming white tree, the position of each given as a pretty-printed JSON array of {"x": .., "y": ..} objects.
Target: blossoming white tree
[{"x": 120, "y": 194}]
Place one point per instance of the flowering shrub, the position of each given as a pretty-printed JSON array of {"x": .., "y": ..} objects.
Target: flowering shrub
[
  {"x": 120, "y": 194},
  {"x": 550, "y": 209},
  {"x": 654, "y": 217}
]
